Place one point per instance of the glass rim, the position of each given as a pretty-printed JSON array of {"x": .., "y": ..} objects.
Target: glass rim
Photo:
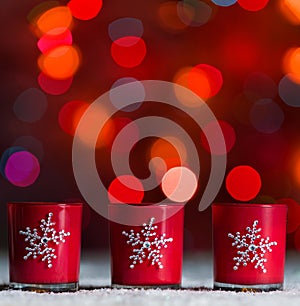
[
  {"x": 171, "y": 204},
  {"x": 263, "y": 205}
]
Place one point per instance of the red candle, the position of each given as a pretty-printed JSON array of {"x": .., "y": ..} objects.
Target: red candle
[
  {"x": 249, "y": 242},
  {"x": 44, "y": 245},
  {"x": 148, "y": 254}
]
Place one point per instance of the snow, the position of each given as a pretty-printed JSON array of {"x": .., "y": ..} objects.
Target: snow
[{"x": 197, "y": 284}]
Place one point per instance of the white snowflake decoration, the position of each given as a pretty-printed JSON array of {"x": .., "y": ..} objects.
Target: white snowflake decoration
[
  {"x": 40, "y": 240},
  {"x": 251, "y": 247},
  {"x": 145, "y": 247}
]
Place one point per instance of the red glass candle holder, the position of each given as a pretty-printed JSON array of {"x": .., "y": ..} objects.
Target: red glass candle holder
[
  {"x": 249, "y": 243},
  {"x": 44, "y": 245},
  {"x": 148, "y": 254}
]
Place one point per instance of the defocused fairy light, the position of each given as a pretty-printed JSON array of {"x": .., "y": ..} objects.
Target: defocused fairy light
[
  {"x": 253, "y": 5},
  {"x": 128, "y": 51},
  {"x": 6, "y": 155},
  {"x": 266, "y": 116},
  {"x": 60, "y": 63},
  {"x": 168, "y": 17},
  {"x": 243, "y": 183},
  {"x": 126, "y": 26},
  {"x": 179, "y": 184},
  {"x": 137, "y": 94},
  {"x": 39, "y": 10},
  {"x": 289, "y": 91},
  {"x": 85, "y": 9},
  {"x": 224, "y": 2},
  {"x": 212, "y": 74},
  {"x": 194, "y": 13},
  {"x": 22, "y": 169},
  {"x": 204, "y": 80},
  {"x": 170, "y": 154},
  {"x": 296, "y": 168},
  {"x": 48, "y": 41},
  {"x": 121, "y": 144},
  {"x": 259, "y": 85},
  {"x": 228, "y": 133},
  {"x": 30, "y": 105},
  {"x": 54, "y": 21},
  {"x": 70, "y": 114},
  {"x": 126, "y": 189},
  {"x": 291, "y": 64},
  {"x": 99, "y": 115},
  {"x": 291, "y": 10},
  {"x": 54, "y": 86}
]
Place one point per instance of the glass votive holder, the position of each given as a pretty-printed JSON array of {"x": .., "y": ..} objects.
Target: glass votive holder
[
  {"x": 146, "y": 246},
  {"x": 44, "y": 245},
  {"x": 249, "y": 243}
]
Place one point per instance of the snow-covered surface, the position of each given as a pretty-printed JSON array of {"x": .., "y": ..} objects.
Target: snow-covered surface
[{"x": 197, "y": 284}]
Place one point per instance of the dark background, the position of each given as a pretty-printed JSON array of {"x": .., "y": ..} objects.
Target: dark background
[{"x": 236, "y": 41}]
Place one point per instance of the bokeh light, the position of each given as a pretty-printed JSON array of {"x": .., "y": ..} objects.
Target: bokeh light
[
  {"x": 128, "y": 51},
  {"x": 39, "y": 9},
  {"x": 243, "y": 183},
  {"x": 85, "y": 10},
  {"x": 224, "y": 2},
  {"x": 123, "y": 143},
  {"x": 266, "y": 116},
  {"x": 194, "y": 13},
  {"x": 179, "y": 184},
  {"x": 291, "y": 10},
  {"x": 54, "y": 86},
  {"x": 86, "y": 130},
  {"x": 196, "y": 81},
  {"x": 182, "y": 78},
  {"x": 293, "y": 217},
  {"x": 253, "y": 5},
  {"x": 134, "y": 93},
  {"x": 204, "y": 80},
  {"x": 6, "y": 155},
  {"x": 213, "y": 75},
  {"x": 60, "y": 63},
  {"x": 228, "y": 134},
  {"x": 171, "y": 151},
  {"x": 126, "y": 189},
  {"x": 50, "y": 41},
  {"x": 70, "y": 114},
  {"x": 31, "y": 144},
  {"x": 126, "y": 26},
  {"x": 296, "y": 168},
  {"x": 259, "y": 85},
  {"x": 30, "y": 105},
  {"x": 168, "y": 17},
  {"x": 22, "y": 169},
  {"x": 289, "y": 91},
  {"x": 291, "y": 64},
  {"x": 166, "y": 153},
  {"x": 55, "y": 20}
]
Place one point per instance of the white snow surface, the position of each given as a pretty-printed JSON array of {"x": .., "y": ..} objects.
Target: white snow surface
[{"x": 196, "y": 288}]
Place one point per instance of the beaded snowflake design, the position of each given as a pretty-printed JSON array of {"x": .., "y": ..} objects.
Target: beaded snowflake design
[
  {"x": 147, "y": 245},
  {"x": 42, "y": 241},
  {"x": 251, "y": 247}
]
